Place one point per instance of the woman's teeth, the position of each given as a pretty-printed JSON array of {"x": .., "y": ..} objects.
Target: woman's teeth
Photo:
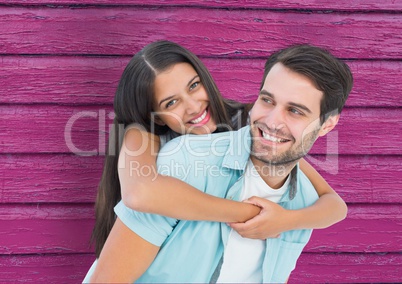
[{"x": 199, "y": 119}]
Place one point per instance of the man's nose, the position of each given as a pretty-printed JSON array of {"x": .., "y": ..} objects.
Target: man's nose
[{"x": 274, "y": 119}]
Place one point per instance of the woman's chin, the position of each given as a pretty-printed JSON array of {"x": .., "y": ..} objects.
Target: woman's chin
[{"x": 204, "y": 129}]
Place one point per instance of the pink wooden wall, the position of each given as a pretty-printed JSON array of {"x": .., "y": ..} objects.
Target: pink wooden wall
[{"x": 62, "y": 59}]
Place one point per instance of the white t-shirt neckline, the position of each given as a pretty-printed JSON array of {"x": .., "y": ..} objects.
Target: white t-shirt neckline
[{"x": 243, "y": 258}]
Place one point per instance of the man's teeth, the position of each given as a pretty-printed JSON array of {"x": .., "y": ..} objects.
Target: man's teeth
[
  {"x": 198, "y": 120},
  {"x": 272, "y": 138}
]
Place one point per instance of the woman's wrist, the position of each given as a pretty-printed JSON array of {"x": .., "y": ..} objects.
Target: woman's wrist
[
  {"x": 250, "y": 211},
  {"x": 293, "y": 219}
]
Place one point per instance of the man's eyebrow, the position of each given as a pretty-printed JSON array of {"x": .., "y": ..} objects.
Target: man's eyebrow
[
  {"x": 266, "y": 93},
  {"x": 303, "y": 107}
]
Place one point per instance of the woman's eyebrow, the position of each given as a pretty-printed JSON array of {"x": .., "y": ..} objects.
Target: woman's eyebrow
[
  {"x": 166, "y": 99},
  {"x": 192, "y": 79}
]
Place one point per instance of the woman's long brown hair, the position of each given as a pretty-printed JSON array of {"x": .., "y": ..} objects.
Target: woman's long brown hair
[{"x": 133, "y": 104}]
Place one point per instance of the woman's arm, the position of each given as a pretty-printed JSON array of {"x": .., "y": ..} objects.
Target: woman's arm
[
  {"x": 144, "y": 190},
  {"x": 273, "y": 219},
  {"x": 327, "y": 210},
  {"x": 124, "y": 258}
]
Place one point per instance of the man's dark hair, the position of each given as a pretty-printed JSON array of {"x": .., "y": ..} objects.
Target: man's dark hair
[{"x": 329, "y": 74}]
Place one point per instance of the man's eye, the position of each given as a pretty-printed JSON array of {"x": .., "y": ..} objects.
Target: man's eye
[
  {"x": 267, "y": 100},
  {"x": 296, "y": 111},
  {"x": 170, "y": 103},
  {"x": 194, "y": 85}
]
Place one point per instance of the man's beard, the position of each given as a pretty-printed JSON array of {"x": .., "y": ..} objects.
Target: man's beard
[{"x": 266, "y": 153}]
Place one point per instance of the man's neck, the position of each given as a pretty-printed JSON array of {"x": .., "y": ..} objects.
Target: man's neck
[{"x": 273, "y": 175}]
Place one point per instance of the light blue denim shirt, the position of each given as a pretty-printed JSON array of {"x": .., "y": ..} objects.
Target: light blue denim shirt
[{"x": 191, "y": 250}]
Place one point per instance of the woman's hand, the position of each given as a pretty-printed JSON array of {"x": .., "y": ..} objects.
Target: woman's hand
[{"x": 272, "y": 220}]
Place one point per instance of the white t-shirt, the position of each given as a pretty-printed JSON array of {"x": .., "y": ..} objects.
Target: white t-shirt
[{"x": 243, "y": 258}]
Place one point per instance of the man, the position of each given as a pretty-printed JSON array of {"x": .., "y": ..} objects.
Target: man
[{"x": 302, "y": 94}]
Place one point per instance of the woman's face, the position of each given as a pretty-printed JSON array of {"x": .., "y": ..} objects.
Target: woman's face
[{"x": 181, "y": 101}]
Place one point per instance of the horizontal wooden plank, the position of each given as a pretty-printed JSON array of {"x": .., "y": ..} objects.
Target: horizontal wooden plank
[
  {"x": 82, "y": 130},
  {"x": 67, "y": 268},
  {"x": 358, "y": 133},
  {"x": 74, "y": 179},
  {"x": 367, "y": 228},
  {"x": 41, "y": 228},
  {"x": 348, "y": 268},
  {"x": 14, "y": 212},
  {"x": 311, "y": 268},
  {"x": 89, "y": 80},
  {"x": 49, "y": 178},
  {"x": 46, "y": 228},
  {"x": 60, "y": 80},
  {"x": 58, "y": 129},
  {"x": 46, "y": 236},
  {"x": 362, "y": 179},
  {"x": 343, "y": 5},
  {"x": 230, "y": 33}
]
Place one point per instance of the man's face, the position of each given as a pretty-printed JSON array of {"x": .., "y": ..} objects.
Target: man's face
[{"x": 285, "y": 118}]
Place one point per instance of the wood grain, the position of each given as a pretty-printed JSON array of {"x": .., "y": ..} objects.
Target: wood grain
[
  {"x": 343, "y": 5},
  {"x": 49, "y": 178},
  {"x": 33, "y": 229},
  {"x": 348, "y": 268},
  {"x": 368, "y": 228},
  {"x": 362, "y": 179},
  {"x": 223, "y": 33},
  {"x": 311, "y": 268},
  {"x": 64, "y": 268}
]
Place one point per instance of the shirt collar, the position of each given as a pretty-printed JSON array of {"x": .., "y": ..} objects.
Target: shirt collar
[
  {"x": 238, "y": 151},
  {"x": 293, "y": 184}
]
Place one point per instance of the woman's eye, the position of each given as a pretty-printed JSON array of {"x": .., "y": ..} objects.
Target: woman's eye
[
  {"x": 194, "y": 85},
  {"x": 170, "y": 103}
]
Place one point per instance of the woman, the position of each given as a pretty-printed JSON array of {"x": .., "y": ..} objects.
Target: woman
[{"x": 166, "y": 91}]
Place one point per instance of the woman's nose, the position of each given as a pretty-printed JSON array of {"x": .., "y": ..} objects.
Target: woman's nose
[{"x": 193, "y": 106}]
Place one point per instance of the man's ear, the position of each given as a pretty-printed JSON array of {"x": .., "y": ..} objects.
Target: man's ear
[{"x": 329, "y": 124}]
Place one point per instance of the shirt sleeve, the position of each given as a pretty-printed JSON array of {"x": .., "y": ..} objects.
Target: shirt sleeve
[
  {"x": 172, "y": 160},
  {"x": 152, "y": 227}
]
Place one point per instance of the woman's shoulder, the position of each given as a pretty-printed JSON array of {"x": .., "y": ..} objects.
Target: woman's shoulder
[{"x": 136, "y": 135}]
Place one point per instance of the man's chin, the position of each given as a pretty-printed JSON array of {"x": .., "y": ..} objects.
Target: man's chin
[{"x": 281, "y": 160}]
